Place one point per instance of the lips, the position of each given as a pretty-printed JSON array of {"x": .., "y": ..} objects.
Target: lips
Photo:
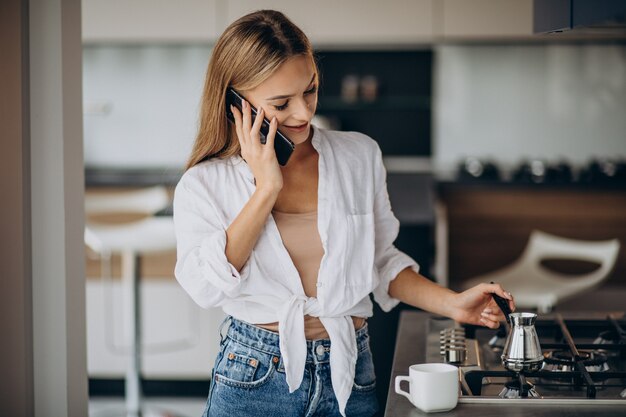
[{"x": 298, "y": 128}]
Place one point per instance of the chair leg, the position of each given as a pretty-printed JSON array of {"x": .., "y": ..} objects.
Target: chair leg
[{"x": 130, "y": 282}]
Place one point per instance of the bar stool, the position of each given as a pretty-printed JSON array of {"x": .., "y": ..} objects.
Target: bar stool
[
  {"x": 536, "y": 287},
  {"x": 131, "y": 240}
]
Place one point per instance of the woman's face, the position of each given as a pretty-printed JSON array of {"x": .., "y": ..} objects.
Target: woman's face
[{"x": 290, "y": 94}]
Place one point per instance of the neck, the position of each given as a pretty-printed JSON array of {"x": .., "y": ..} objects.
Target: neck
[{"x": 302, "y": 151}]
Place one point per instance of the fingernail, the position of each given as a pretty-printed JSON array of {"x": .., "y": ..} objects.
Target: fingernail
[
  {"x": 274, "y": 120},
  {"x": 244, "y": 103}
]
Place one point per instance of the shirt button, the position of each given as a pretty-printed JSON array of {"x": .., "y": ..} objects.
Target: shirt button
[
  {"x": 320, "y": 350},
  {"x": 319, "y": 284}
]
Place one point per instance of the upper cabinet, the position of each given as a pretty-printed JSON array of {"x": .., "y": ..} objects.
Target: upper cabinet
[
  {"x": 482, "y": 19},
  {"x": 328, "y": 23},
  {"x": 139, "y": 21},
  {"x": 349, "y": 22}
]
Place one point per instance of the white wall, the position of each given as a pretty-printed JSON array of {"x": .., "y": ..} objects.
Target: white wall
[
  {"x": 511, "y": 102},
  {"x": 141, "y": 103},
  {"x": 507, "y": 102}
]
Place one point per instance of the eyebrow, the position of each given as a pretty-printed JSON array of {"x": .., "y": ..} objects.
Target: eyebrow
[{"x": 287, "y": 96}]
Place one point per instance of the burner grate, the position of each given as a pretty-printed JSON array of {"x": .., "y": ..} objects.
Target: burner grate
[{"x": 575, "y": 368}]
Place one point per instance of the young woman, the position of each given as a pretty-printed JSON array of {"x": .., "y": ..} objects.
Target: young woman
[{"x": 291, "y": 253}]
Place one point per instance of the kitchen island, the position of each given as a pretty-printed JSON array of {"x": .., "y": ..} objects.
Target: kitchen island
[{"x": 410, "y": 349}]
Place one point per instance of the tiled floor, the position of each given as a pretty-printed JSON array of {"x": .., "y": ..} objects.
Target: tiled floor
[{"x": 154, "y": 407}]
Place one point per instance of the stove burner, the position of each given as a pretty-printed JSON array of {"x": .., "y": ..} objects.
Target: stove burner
[
  {"x": 512, "y": 390},
  {"x": 562, "y": 361},
  {"x": 607, "y": 337}
]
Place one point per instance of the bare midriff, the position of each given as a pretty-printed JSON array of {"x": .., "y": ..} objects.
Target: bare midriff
[
  {"x": 313, "y": 327},
  {"x": 301, "y": 238}
]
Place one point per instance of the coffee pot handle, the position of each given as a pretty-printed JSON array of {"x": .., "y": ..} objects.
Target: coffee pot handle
[{"x": 399, "y": 390}]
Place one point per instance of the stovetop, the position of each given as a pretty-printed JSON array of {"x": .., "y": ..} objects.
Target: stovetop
[{"x": 584, "y": 360}]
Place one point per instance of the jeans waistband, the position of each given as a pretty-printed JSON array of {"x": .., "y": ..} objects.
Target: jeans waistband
[{"x": 267, "y": 341}]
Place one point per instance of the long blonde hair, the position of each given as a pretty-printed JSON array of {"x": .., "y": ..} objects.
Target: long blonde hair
[{"x": 248, "y": 52}]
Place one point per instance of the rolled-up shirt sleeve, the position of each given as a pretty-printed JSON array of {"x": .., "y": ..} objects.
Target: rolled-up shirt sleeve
[
  {"x": 202, "y": 268},
  {"x": 388, "y": 260}
]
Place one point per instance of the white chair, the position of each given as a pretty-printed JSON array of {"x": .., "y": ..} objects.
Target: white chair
[
  {"x": 131, "y": 240},
  {"x": 536, "y": 287}
]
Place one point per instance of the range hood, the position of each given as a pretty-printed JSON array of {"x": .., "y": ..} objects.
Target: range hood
[{"x": 580, "y": 16}]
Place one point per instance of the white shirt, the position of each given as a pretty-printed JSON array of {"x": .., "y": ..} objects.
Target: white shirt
[{"x": 357, "y": 229}]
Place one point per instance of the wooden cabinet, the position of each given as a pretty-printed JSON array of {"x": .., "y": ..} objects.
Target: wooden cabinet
[
  {"x": 488, "y": 227},
  {"x": 137, "y": 21}
]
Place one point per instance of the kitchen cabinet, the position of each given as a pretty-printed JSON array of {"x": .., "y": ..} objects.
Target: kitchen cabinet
[
  {"x": 137, "y": 21},
  {"x": 347, "y": 22},
  {"x": 482, "y": 19},
  {"x": 401, "y": 22},
  {"x": 488, "y": 225},
  {"x": 328, "y": 23}
]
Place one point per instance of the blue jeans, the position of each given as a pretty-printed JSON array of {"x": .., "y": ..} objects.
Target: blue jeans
[{"x": 249, "y": 378}]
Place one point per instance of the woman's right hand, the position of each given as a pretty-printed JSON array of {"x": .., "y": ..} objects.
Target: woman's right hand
[{"x": 261, "y": 158}]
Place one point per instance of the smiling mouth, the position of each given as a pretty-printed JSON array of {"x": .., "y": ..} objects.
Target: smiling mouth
[{"x": 298, "y": 127}]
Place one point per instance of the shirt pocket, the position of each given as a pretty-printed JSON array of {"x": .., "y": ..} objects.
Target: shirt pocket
[{"x": 359, "y": 259}]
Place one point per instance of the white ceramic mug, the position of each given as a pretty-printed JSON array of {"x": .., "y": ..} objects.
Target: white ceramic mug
[{"x": 433, "y": 387}]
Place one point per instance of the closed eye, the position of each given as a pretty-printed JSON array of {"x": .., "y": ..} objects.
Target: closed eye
[{"x": 283, "y": 106}]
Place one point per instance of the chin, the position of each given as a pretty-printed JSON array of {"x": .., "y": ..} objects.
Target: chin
[{"x": 299, "y": 137}]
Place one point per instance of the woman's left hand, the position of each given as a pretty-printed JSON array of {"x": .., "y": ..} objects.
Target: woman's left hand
[{"x": 476, "y": 305}]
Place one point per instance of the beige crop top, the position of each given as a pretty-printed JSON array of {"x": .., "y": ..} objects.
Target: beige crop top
[{"x": 302, "y": 240}]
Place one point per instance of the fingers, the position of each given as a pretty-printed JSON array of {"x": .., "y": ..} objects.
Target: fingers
[
  {"x": 253, "y": 127},
  {"x": 247, "y": 123},
  {"x": 497, "y": 289},
  {"x": 272, "y": 133},
  {"x": 238, "y": 125},
  {"x": 490, "y": 323},
  {"x": 491, "y": 315},
  {"x": 258, "y": 121}
]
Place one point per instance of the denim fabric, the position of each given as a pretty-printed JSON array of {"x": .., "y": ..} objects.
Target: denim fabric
[{"x": 249, "y": 379}]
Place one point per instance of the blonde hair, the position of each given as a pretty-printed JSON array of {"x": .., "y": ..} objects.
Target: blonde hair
[{"x": 249, "y": 51}]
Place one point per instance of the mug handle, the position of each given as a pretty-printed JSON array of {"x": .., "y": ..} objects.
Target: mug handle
[{"x": 399, "y": 390}]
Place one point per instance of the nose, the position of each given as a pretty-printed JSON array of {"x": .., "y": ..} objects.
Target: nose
[{"x": 302, "y": 110}]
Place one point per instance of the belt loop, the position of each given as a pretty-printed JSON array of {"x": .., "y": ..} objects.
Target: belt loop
[{"x": 222, "y": 337}]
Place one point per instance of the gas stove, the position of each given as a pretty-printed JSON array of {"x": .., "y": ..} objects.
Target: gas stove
[{"x": 584, "y": 360}]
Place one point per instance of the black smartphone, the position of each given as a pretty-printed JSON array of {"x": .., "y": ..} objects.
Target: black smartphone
[{"x": 282, "y": 144}]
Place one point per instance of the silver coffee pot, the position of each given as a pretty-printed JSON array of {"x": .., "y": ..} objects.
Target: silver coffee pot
[{"x": 522, "y": 352}]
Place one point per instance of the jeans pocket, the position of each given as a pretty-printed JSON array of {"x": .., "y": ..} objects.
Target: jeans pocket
[
  {"x": 243, "y": 367},
  {"x": 364, "y": 375}
]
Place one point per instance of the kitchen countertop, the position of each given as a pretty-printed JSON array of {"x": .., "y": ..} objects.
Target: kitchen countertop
[{"x": 410, "y": 349}]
